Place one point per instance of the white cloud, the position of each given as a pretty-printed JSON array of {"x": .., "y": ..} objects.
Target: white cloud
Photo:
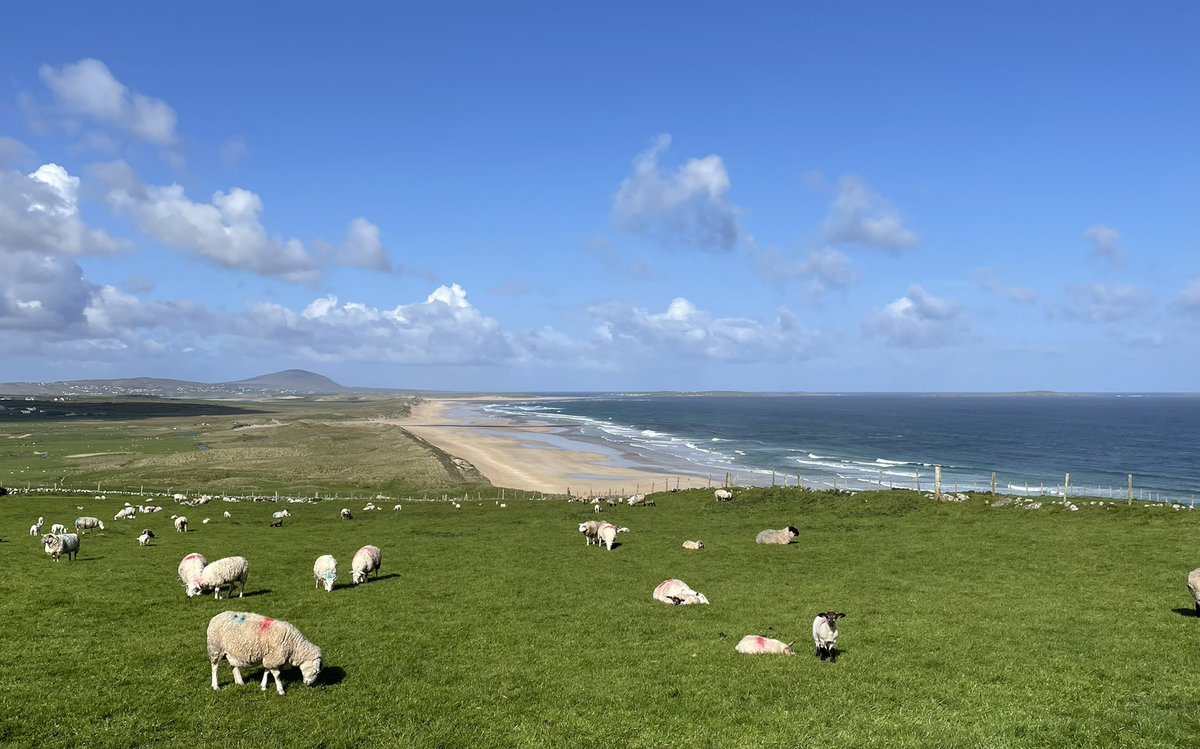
[
  {"x": 988, "y": 281},
  {"x": 13, "y": 151},
  {"x": 40, "y": 212},
  {"x": 1106, "y": 243},
  {"x": 1105, "y": 303},
  {"x": 860, "y": 216},
  {"x": 917, "y": 319},
  {"x": 362, "y": 247},
  {"x": 825, "y": 268},
  {"x": 687, "y": 208},
  {"x": 41, "y": 292},
  {"x": 88, "y": 88}
]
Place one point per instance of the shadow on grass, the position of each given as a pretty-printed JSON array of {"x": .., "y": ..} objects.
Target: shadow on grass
[
  {"x": 331, "y": 676},
  {"x": 251, "y": 594},
  {"x": 87, "y": 559},
  {"x": 348, "y": 586},
  {"x": 1187, "y": 612}
]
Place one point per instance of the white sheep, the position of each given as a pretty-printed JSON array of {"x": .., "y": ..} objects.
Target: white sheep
[
  {"x": 179, "y": 497},
  {"x": 825, "y": 635},
  {"x": 596, "y": 509},
  {"x": 1193, "y": 583},
  {"x": 345, "y": 513},
  {"x": 63, "y": 543},
  {"x": 58, "y": 528},
  {"x": 245, "y": 639},
  {"x": 181, "y": 523},
  {"x": 205, "y": 521},
  {"x": 397, "y": 508},
  {"x": 229, "y": 571},
  {"x": 783, "y": 536},
  {"x": 369, "y": 506},
  {"x": 503, "y": 506},
  {"x": 126, "y": 513},
  {"x": 87, "y": 523},
  {"x": 144, "y": 539},
  {"x": 280, "y": 514},
  {"x": 366, "y": 560},
  {"x": 759, "y": 645},
  {"x": 36, "y": 528},
  {"x": 677, "y": 593},
  {"x": 693, "y": 545},
  {"x": 588, "y": 530},
  {"x": 190, "y": 567},
  {"x": 325, "y": 571},
  {"x": 723, "y": 495},
  {"x": 227, "y": 514},
  {"x": 606, "y": 534}
]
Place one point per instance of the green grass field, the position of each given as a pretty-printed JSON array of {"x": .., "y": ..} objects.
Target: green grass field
[{"x": 966, "y": 627}]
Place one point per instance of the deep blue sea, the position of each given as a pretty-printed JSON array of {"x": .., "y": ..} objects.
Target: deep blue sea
[{"x": 860, "y": 441}]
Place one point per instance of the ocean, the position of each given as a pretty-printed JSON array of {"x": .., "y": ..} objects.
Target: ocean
[{"x": 865, "y": 441}]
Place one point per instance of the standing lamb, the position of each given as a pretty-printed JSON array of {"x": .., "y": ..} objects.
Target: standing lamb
[
  {"x": 346, "y": 514},
  {"x": 63, "y": 543},
  {"x": 181, "y": 523},
  {"x": 1193, "y": 583},
  {"x": 245, "y": 639},
  {"x": 366, "y": 560},
  {"x": 825, "y": 635},
  {"x": 87, "y": 523},
  {"x": 588, "y": 530},
  {"x": 36, "y": 528},
  {"x": 325, "y": 571},
  {"x": 144, "y": 539},
  {"x": 723, "y": 495},
  {"x": 190, "y": 567},
  {"x": 758, "y": 645},
  {"x": 606, "y": 534},
  {"x": 677, "y": 593},
  {"x": 783, "y": 536},
  {"x": 227, "y": 514},
  {"x": 229, "y": 571},
  {"x": 58, "y": 528}
]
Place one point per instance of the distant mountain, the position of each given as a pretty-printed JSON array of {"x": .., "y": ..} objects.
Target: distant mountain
[
  {"x": 290, "y": 382},
  {"x": 294, "y": 379}
]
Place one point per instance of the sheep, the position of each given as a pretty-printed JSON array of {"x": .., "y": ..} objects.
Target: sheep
[
  {"x": 205, "y": 521},
  {"x": 1193, "y": 583},
  {"x": 280, "y": 514},
  {"x": 677, "y": 593},
  {"x": 63, "y": 543},
  {"x": 58, "y": 528},
  {"x": 758, "y": 645},
  {"x": 229, "y": 571},
  {"x": 227, "y": 514},
  {"x": 190, "y": 567},
  {"x": 144, "y": 539},
  {"x": 181, "y": 523},
  {"x": 369, "y": 506},
  {"x": 325, "y": 571},
  {"x": 457, "y": 506},
  {"x": 397, "y": 508},
  {"x": 126, "y": 513},
  {"x": 36, "y": 528},
  {"x": 636, "y": 500},
  {"x": 366, "y": 560},
  {"x": 606, "y": 534},
  {"x": 596, "y": 509},
  {"x": 245, "y": 639},
  {"x": 503, "y": 506},
  {"x": 783, "y": 536},
  {"x": 723, "y": 495},
  {"x": 88, "y": 523},
  {"x": 693, "y": 545},
  {"x": 825, "y": 635},
  {"x": 588, "y": 530},
  {"x": 346, "y": 514}
]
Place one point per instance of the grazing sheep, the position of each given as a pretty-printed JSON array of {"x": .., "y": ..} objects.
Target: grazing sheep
[
  {"x": 87, "y": 523},
  {"x": 227, "y": 514},
  {"x": 36, "y": 528},
  {"x": 325, "y": 571},
  {"x": 636, "y": 500},
  {"x": 1193, "y": 583},
  {"x": 126, "y": 513},
  {"x": 606, "y": 534},
  {"x": 588, "y": 530},
  {"x": 397, "y": 508},
  {"x": 346, "y": 514},
  {"x": 825, "y": 635},
  {"x": 229, "y": 571},
  {"x": 457, "y": 506},
  {"x": 723, "y": 495},
  {"x": 677, "y": 593},
  {"x": 280, "y": 514},
  {"x": 783, "y": 536},
  {"x": 758, "y": 645},
  {"x": 58, "y": 528},
  {"x": 369, "y": 506},
  {"x": 366, "y": 560},
  {"x": 181, "y": 523},
  {"x": 190, "y": 567},
  {"x": 245, "y": 639},
  {"x": 693, "y": 545},
  {"x": 503, "y": 506},
  {"x": 63, "y": 543},
  {"x": 144, "y": 539}
]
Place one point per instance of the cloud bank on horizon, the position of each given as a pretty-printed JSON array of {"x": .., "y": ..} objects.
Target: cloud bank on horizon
[{"x": 575, "y": 226}]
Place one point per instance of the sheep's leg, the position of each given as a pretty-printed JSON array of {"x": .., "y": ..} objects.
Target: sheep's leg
[
  {"x": 266, "y": 677},
  {"x": 237, "y": 675},
  {"x": 215, "y": 685},
  {"x": 278, "y": 683},
  {"x": 832, "y": 654}
]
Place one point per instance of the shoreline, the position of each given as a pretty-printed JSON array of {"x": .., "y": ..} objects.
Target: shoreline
[{"x": 533, "y": 456}]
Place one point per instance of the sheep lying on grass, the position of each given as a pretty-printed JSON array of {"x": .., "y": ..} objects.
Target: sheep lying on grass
[
  {"x": 783, "y": 536},
  {"x": 144, "y": 539},
  {"x": 245, "y": 639},
  {"x": 325, "y": 571},
  {"x": 825, "y": 635},
  {"x": 758, "y": 645},
  {"x": 366, "y": 560},
  {"x": 190, "y": 567},
  {"x": 346, "y": 514},
  {"x": 63, "y": 543},
  {"x": 229, "y": 571},
  {"x": 1193, "y": 583},
  {"x": 588, "y": 530},
  {"x": 677, "y": 593},
  {"x": 693, "y": 545}
]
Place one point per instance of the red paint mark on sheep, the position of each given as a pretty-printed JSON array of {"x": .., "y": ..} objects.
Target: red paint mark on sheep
[
  {"x": 266, "y": 624},
  {"x": 762, "y": 641}
]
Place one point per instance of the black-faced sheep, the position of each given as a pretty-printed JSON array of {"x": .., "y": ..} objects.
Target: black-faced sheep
[
  {"x": 825, "y": 634},
  {"x": 783, "y": 536}
]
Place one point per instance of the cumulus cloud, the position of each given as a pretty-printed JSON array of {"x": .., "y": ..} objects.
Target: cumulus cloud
[
  {"x": 13, "y": 151},
  {"x": 988, "y": 281},
  {"x": 860, "y": 216},
  {"x": 825, "y": 268},
  {"x": 1105, "y": 303},
  {"x": 917, "y": 319},
  {"x": 689, "y": 207},
  {"x": 41, "y": 292},
  {"x": 88, "y": 88},
  {"x": 362, "y": 247},
  {"x": 1106, "y": 243},
  {"x": 40, "y": 212}
]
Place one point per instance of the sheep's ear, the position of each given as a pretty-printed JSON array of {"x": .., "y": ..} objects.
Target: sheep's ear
[
  {"x": 840, "y": 616},
  {"x": 793, "y": 642}
]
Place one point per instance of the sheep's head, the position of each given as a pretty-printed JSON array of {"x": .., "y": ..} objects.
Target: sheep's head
[
  {"x": 310, "y": 670},
  {"x": 832, "y": 617},
  {"x": 329, "y": 580},
  {"x": 787, "y": 649},
  {"x": 194, "y": 588},
  {"x": 358, "y": 576},
  {"x": 583, "y": 527},
  {"x": 793, "y": 530}
]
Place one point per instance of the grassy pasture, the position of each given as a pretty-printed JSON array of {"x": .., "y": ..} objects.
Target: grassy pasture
[{"x": 966, "y": 627}]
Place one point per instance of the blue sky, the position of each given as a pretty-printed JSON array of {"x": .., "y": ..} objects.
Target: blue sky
[{"x": 945, "y": 196}]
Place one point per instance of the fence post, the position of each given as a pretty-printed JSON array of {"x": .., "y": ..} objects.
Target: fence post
[
  {"x": 1130, "y": 502},
  {"x": 937, "y": 483},
  {"x": 993, "y": 482},
  {"x": 1066, "y": 486}
]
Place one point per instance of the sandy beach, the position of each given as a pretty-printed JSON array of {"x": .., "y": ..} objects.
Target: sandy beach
[{"x": 529, "y": 456}]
